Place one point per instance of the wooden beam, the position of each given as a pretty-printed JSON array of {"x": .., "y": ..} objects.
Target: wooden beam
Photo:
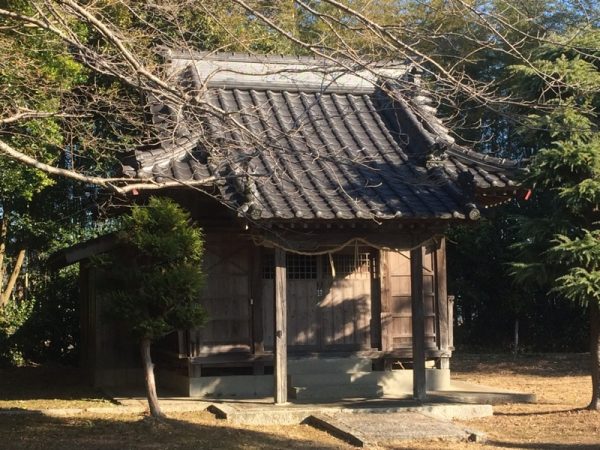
[
  {"x": 418, "y": 324},
  {"x": 280, "y": 334}
]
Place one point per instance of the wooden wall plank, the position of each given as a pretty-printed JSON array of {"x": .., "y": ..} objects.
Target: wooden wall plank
[
  {"x": 364, "y": 313},
  {"x": 400, "y": 306},
  {"x": 375, "y": 319},
  {"x": 256, "y": 285},
  {"x": 386, "y": 312},
  {"x": 337, "y": 313},
  {"x": 227, "y": 294},
  {"x": 268, "y": 288}
]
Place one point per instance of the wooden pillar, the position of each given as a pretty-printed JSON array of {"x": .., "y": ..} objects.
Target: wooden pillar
[
  {"x": 256, "y": 305},
  {"x": 418, "y": 323},
  {"x": 443, "y": 318},
  {"x": 280, "y": 329}
]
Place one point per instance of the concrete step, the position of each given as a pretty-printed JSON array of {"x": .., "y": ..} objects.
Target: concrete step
[
  {"x": 311, "y": 365},
  {"x": 328, "y": 379},
  {"x": 335, "y": 385},
  {"x": 333, "y": 392},
  {"x": 397, "y": 383}
]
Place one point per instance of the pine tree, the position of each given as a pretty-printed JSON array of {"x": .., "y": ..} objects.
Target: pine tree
[
  {"x": 154, "y": 282},
  {"x": 566, "y": 172}
]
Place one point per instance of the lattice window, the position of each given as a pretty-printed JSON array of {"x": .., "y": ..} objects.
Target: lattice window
[
  {"x": 268, "y": 267},
  {"x": 348, "y": 264},
  {"x": 299, "y": 267}
]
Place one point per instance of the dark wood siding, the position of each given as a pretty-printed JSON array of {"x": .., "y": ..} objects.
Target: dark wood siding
[{"x": 226, "y": 296}]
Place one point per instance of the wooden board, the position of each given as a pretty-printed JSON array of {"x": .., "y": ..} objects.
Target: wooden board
[
  {"x": 302, "y": 313},
  {"x": 346, "y": 306},
  {"x": 396, "y": 301}
]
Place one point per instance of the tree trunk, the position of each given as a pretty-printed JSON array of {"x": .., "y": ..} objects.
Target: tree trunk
[
  {"x": 595, "y": 354},
  {"x": 150, "y": 384},
  {"x": 5, "y": 296},
  {"x": 3, "y": 236}
]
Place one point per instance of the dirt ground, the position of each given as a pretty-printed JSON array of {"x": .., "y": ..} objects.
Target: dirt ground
[{"x": 557, "y": 421}]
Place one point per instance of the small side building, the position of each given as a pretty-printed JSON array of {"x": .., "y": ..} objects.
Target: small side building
[{"x": 325, "y": 255}]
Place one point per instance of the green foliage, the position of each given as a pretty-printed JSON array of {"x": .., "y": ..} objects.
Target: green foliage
[
  {"x": 487, "y": 302},
  {"x": 556, "y": 121},
  {"x": 44, "y": 325},
  {"x": 566, "y": 171},
  {"x": 12, "y": 317},
  {"x": 51, "y": 331},
  {"x": 581, "y": 283},
  {"x": 19, "y": 183},
  {"x": 154, "y": 284}
]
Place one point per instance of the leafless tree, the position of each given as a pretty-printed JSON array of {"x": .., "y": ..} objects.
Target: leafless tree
[{"x": 118, "y": 45}]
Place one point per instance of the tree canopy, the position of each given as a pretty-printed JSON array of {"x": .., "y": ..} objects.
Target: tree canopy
[
  {"x": 154, "y": 281},
  {"x": 155, "y": 286}
]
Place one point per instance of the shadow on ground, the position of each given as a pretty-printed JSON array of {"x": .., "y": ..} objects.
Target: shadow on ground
[{"x": 37, "y": 431}]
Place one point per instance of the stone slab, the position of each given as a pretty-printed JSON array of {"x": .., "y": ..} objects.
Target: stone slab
[
  {"x": 464, "y": 392},
  {"x": 386, "y": 429},
  {"x": 292, "y": 414}
]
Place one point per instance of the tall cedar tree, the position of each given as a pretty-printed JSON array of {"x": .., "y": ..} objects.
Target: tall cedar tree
[
  {"x": 156, "y": 280},
  {"x": 564, "y": 244}
]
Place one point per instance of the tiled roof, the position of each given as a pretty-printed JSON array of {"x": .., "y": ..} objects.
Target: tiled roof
[{"x": 290, "y": 140}]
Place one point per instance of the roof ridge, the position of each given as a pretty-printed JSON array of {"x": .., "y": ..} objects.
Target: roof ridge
[
  {"x": 283, "y": 74},
  {"x": 482, "y": 158},
  {"x": 191, "y": 55},
  {"x": 435, "y": 126}
]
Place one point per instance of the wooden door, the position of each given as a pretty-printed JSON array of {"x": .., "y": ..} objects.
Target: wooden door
[
  {"x": 302, "y": 299},
  {"x": 226, "y": 297},
  {"x": 346, "y": 307},
  {"x": 328, "y": 309},
  {"x": 396, "y": 309}
]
